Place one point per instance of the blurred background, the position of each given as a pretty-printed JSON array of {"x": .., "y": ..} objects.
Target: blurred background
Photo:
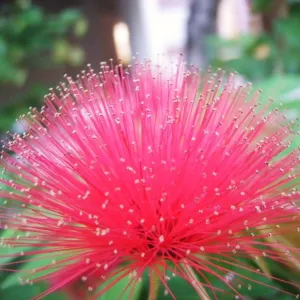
[{"x": 42, "y": 40}]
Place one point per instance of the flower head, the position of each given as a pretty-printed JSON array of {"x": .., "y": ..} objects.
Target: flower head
[{"x": 150, "y": 170}]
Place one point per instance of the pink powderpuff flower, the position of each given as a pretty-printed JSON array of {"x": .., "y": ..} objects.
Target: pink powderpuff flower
[{"x": 151, "y": 170}]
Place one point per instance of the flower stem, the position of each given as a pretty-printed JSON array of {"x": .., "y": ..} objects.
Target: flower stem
[
  {"x": 200, "y": 290},
  {"x": 154, "y": 285}
]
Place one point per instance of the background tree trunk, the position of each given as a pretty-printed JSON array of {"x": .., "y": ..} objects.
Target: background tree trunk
[{"x": 201, "y": 23}]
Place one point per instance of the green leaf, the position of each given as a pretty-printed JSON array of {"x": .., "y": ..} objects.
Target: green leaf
[
  {"x": 33, "y": 263},
  {"x": 116, "y": 290},
  {"x": 261, "y": 5},
  {"x": 10, "y": 257},
  {"x": 180, "y": 288},
  {"x": 283, "y": 89},
  {"x": 70, "y": 16},
  {"x": 6, "y": 252},
  {"x": 26, "y": 292},
  {"x": 81, "y": 27},
  {"x": 75, "y": 56}
]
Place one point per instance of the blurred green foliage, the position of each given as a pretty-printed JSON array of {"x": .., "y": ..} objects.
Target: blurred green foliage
[
  {"x": 274, "y": 51},
  {"x": 271, "y": 58},
  {"x": 31, "y": 38}
]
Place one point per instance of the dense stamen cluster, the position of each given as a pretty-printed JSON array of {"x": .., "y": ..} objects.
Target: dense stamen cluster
[{"x": 151, "y": 170}]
